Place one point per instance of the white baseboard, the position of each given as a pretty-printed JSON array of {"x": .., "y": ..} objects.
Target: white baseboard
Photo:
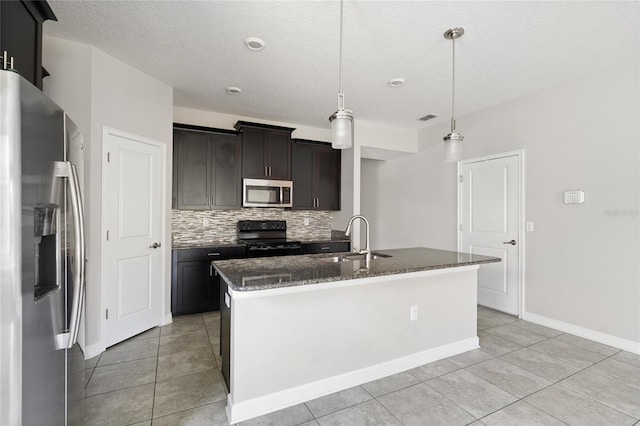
[
  {"x": 93, "y": 350},
  {"x": 97, "y": 348},
  {"x": 167, "y": 319},
  {"x": 587, "y": 333},
  {"x": 241, "y": 411}
]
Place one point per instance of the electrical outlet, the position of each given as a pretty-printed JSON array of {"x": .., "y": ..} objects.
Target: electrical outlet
[
  {"x": 413, "y": 313},
  {"x": 306, "y": 221},
  {"x": 529, "y": 226}
]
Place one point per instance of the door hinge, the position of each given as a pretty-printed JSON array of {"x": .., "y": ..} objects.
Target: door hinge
[
  {"x": 461, "y": 179},
  {"x": 108, "y": 157},
  {"x": 107, "y": 235},
  {"x": 106, "y": 314}
]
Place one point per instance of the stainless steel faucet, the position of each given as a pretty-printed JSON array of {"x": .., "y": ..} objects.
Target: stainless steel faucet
[{"x": 366, "y": 251}]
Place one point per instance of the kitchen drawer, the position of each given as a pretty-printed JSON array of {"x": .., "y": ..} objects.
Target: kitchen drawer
[
  {"x": 326, "y": 247},
  {"x": 211, "y": 253}
]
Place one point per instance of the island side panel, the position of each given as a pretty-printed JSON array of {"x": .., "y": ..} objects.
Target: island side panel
[{"x": 323, "y": 340}]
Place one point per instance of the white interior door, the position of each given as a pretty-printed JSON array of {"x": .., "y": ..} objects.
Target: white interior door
[
  {"x": 490, "y": 225},
  {"x": 133, "y": 179}
]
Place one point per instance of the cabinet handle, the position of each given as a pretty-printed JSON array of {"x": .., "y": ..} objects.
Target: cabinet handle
[
  {"x": 6, "y": 59},
  {"x": 325, "y": 248},
  {"x": 269, "y": 171},
  {"x": 210, "y": 270},
  {"x": 266, "y": 171},
  {"x": 214, "y": 254}
]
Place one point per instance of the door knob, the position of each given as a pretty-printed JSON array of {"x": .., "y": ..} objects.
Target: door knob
[
  {"x": 512, "y": 242},
  {"x": 155, "y": 245}
]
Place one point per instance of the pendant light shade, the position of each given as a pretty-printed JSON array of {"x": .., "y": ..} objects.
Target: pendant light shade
[
  {"x": 453, "y": 141},
  {"x": 341, "y": 120},
  {"x": 453, "y": 147},
  {"x": 341, "y": 129}
]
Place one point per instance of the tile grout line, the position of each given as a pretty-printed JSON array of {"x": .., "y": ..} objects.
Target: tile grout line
[{"x": 155, "y": 382}]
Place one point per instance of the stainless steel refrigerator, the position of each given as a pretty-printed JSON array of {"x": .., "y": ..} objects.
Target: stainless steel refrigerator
[{"x": 42, "y": 261}]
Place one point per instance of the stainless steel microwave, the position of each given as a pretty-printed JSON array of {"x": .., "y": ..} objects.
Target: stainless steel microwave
[{"x": 267, "y": 193}]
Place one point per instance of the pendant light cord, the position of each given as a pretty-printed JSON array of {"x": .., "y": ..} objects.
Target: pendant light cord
[
  {"x": 453, "y": 86},
  {"x": 340, "y": 93}
]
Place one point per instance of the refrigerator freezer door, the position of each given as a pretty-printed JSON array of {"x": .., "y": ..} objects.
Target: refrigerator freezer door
[
  {"x": 43, "y": 365},
  {"x": 35, "y": 249},
  {"x": 10, "y": 251}
]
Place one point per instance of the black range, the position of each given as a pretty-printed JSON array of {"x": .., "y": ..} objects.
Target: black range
[{"x": 265, "y": 238}]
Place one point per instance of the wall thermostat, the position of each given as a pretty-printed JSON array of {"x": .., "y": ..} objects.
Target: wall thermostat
[{"x": 573, "y": 197}]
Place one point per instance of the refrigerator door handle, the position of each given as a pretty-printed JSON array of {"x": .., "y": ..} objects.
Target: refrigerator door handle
[
  {"x": 66, "y": 169},
  {"x": 78, "y": 223}
]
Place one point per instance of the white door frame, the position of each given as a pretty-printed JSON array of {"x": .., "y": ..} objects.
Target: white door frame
[
  {"x": 520, "y": 154},
  {"x": 106, "y": 131}
]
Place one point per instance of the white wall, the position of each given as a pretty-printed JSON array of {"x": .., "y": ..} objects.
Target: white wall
[
  {"x": 582, "y": 260},
  {"x": 97, "y": 90},
  {"x": 219, "y": 120}
]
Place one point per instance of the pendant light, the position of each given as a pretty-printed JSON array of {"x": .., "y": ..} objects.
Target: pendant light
[
  {"x": 341, "y": 120},
  {"x": 453, "y": 141}
]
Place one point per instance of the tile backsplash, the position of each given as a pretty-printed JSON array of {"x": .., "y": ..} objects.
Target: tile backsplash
[{"x": 188, "y": 226}]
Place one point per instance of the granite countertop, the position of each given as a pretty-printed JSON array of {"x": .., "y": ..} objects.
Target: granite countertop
[
  {"x": 236, "y": 243},
  {"x": 288, "y": 271},
  {"x": 324, "y": 240}
]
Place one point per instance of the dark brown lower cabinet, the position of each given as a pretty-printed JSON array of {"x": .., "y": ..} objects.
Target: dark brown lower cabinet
[
  {"x": 195, "y": 287},
  {"x": 326, "y": 247}
]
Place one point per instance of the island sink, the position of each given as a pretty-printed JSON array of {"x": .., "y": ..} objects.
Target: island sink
[{"x": 355, "y": 257}]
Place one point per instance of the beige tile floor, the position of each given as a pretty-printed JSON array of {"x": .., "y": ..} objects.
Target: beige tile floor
[{"x": 524, "y": 374}]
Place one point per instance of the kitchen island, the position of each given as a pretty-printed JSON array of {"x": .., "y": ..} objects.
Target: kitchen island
[{"x": 296, "y": 328}]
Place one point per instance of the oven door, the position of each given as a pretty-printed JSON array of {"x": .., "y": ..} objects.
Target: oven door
[{"x": 266, "y": 193}]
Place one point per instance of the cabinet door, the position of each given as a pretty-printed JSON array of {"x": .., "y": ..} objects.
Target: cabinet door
[
  {"x": 279, "y": 155},
  {"x": 326, "y": 247},
  {"x": 302, "y": 173},
  {"x": 227, "y": 181},
  {"x": 21, "y": 38},
  {"x": 253, "y": 154},
  {"x": 192, "y": 290},
  {"x": 193, "y": 182},
  {"x": 327, "y": 177}
]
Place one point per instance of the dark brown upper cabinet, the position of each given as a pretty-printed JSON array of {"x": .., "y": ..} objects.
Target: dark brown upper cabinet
[
  {"x": 266, "y": 151},
  {"x": 21, "y": 37},
  {"x": 206, "y": 168},
  {"x": 316, "y": 175}
]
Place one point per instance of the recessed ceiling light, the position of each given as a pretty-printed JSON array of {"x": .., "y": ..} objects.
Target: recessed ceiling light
[
  {"x": 396, "y": 82},
  {"x": 232, "y": 90},
  {"x": 254, "y": 43}
]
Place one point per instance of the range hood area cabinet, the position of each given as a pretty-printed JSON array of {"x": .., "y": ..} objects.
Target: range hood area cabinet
[
  {"x": 206, "y": 168},
  {"x": 209, "y": 165},
  {"x": 21, "y": 36},
  {"x": 316, "y": 175},
  {"x": 266, "y": 151}
]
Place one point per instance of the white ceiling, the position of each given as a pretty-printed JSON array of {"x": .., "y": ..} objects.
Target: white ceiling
[{"x": 510, "y": 48}]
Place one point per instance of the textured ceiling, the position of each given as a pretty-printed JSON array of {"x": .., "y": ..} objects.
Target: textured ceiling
[{"x": 509, "y": 49}]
